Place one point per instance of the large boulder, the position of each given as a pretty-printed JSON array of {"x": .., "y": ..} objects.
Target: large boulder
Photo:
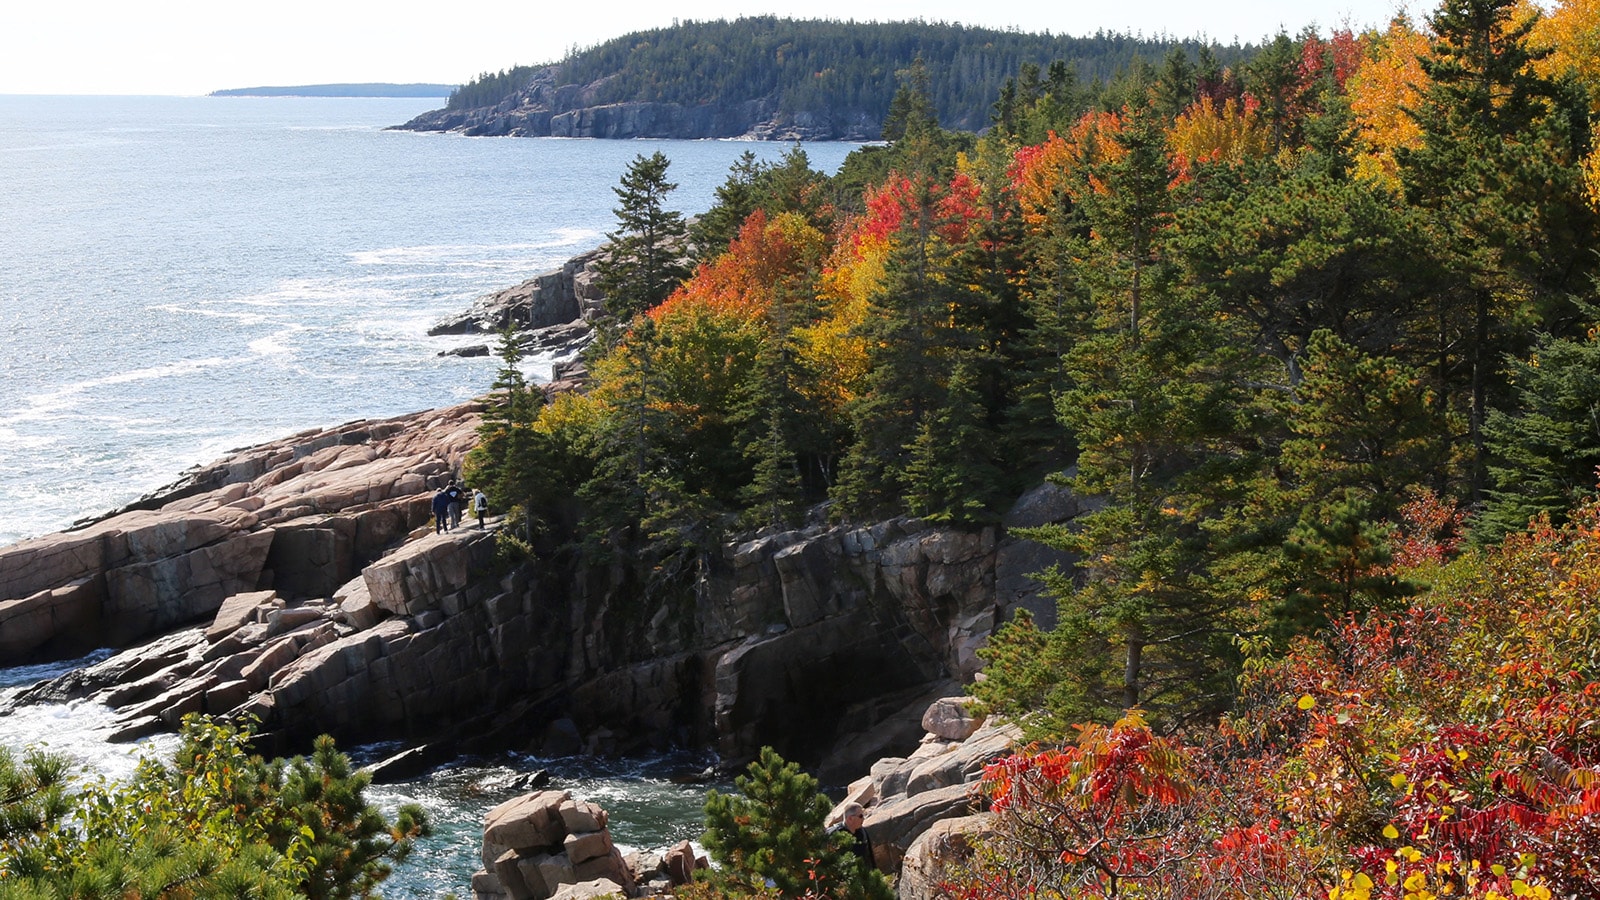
[
  {"x": 546, "y": 844},
  {"x": 428, "y": 574},
  {"x": 895, "y": 824},
  {"x": 946, "y": 845},
  {"x": 952, "y": 718},
  {"x": 904, "y": 797}
]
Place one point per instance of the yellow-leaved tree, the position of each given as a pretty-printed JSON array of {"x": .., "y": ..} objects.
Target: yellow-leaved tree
[
  {"x": 1206, "y": 132},
  {"x": 1389, "y": 83},
  {"x": 1571, "y": 32}
]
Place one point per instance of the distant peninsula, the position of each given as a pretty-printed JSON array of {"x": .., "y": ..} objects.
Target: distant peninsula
[
  {"x": 341, "y": 90},
  {"x": 770, "y": 78}
]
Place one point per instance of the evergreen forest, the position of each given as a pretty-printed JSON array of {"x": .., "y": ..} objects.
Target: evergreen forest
[
  {"x": 1317, "y": 332},
  {"x": 844, "y": 68}
]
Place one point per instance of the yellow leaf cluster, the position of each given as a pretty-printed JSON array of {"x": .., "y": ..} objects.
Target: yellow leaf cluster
[
  {"x": 1571, "y": 31},
  {"x": 1389, "y": 82},
  {"x": 832, "y": 348},
  {"x": 1205, "y": 133},
  {"x": 1591, "y": 171}
]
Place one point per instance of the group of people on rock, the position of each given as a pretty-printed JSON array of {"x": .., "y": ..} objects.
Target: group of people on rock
[{"x": 447, "y": 505}]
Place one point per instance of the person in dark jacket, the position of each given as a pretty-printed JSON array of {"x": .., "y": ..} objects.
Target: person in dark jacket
[
  {"x": 457, "y": 497},
  {"x": 853, "y": 822},
  {"x": 441, "y": 511}
]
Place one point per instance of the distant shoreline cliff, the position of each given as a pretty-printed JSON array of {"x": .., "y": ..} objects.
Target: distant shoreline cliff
[{"x": 549, "y": 107}]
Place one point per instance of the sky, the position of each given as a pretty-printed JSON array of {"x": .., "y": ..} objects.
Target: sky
[{"x": 186, "y": 47}]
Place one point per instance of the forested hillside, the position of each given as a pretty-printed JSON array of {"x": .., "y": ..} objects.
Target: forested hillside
[
  {"x": 839, "y": 68},
  {"x": 1318, "y": 332}
]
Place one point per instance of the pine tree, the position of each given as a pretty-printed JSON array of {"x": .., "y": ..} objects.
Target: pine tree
[
  {"x": 1362, "y": 428},
  {"x": 771, "y": 833},
  {"x": 1340, "y": 563},
  {"x": 644, "y": 263}
]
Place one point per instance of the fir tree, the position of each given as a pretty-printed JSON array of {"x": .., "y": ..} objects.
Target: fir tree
[
  {"x": 736, "y": 199},
  {"x": 1546, "y": 452},
  {"x": 911, "y": 113}
]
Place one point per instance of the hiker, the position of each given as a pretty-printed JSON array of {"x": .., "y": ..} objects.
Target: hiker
[
  {"x": 480, "y": 505},
  {"x": 441, "y": 510},
  {"x": 454, "y": 493}
]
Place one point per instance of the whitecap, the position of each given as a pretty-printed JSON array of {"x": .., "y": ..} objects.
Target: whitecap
[
  {"x": 79, "y": 730},
  {"x": 12, "y": 440}
]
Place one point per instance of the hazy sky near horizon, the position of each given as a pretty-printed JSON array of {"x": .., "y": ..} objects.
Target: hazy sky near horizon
[{"x": 189, "y": 47}]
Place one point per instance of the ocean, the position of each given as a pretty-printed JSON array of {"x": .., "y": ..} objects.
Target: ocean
[{"x": 183, "y": 276}]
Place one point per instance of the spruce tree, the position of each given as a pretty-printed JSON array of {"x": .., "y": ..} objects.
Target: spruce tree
[
  {"x": 1497, "y": 174},
  {"x": 736, "y": 199},
  {"x": 910, "y": 335},
  {"x": 1544, "y": 455},
  {"x": 775, "y": 417},
  {"x": 645, "y": 259},
  {"x": 511, "y": 463},
  {"x": 1157, "y": 408},
  {"x": 953, "y": 474}
]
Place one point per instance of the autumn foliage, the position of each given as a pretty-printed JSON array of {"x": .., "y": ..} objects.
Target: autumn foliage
[{"x": 1451, "y": 749}]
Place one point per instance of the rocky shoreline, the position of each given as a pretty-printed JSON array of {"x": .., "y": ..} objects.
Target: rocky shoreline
[{"x": 550, "y": 107}]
